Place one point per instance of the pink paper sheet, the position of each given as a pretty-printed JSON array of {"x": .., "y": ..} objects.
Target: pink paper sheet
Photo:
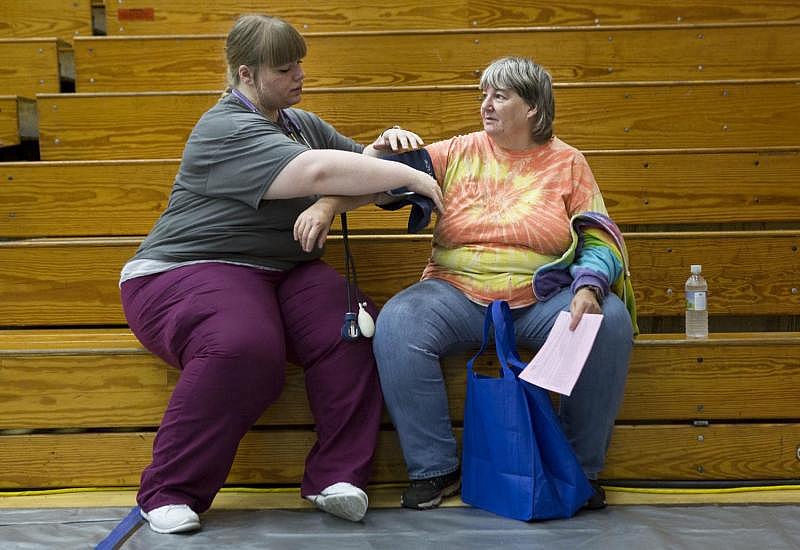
[{"x": 559, "y": 362}]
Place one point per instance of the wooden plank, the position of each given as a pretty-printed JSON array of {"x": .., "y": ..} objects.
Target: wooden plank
[
  {"x": 74, "y": 282},
  {"x": 498, "y": 13},
  {"x": 717, "y": 452},
  {"x": 728, "y": 377},
  {"x": 29, "y": 66},
  {"x": 693, "y": 187},
  {"x": 110, "y": 381},
  {"x": 84, "y": 198},
  {"x": 651, "y": 116},
  {"x": 734, "y": 262},
  {"x": 121, "y": 198},
  {"x": 136, "y": 17},
  {"x": 64, "y": 19},
  {"x": 444, "y": 57},
  {"x": 110, "y": 198},
  {"x": 209, "y": 17}
]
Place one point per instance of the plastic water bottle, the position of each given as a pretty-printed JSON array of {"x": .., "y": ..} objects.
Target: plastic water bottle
[{"x": 696, "y": 307}]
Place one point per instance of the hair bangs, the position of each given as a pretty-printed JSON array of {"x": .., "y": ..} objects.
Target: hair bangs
[
  {"x": 495, "y": 76},
  {"x": 281, "y": 44}
]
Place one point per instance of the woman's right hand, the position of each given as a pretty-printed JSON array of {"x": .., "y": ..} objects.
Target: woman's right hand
[{"x": 426, "y": 185}]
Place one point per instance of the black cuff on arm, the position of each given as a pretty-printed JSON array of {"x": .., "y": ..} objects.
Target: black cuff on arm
[{"x": 421, "y": 206}]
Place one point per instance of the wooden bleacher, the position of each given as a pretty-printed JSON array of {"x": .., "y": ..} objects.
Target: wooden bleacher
[
  {"x": 640, "y": 187},
  {"x": 153, "y": 17},
  {"x": 698, "y": 165},
  {"x": 47, "y": 278},
  {"x": 197, "y": 62},
  {"x": 682, "y": 115},
  {"x": 65, "y": 19},
  {"x": 30, "y": 66}
]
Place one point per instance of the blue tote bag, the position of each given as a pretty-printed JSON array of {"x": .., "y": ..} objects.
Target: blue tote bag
[{"x": 516, "y": 460}]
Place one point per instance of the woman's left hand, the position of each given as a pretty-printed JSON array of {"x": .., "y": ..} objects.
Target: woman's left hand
[
  {"x": 397, "y": 140},
  {"x": 584, "y": 301},
  {"x": 312, "y": 225}
]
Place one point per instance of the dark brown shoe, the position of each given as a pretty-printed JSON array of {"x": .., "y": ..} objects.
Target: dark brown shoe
[
  {"x": 424, "y": 494},
  {"x": 598, "y": 499}
]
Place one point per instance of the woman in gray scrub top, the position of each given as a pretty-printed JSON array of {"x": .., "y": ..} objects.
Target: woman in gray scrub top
[{"x": 229, "y": 284}]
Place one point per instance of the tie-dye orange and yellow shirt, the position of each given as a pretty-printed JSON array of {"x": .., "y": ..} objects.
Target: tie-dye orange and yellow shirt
[{"x": 506, "y": 214}]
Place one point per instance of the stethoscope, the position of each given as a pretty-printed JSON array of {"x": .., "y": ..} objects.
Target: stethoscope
[{"x": 355, "y": 324}]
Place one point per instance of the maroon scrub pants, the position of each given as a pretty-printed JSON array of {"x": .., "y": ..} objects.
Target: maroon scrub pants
[{"x": 230, "y": 330}]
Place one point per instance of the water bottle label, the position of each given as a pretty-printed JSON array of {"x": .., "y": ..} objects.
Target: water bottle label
[{"x": 696, "y": 301}]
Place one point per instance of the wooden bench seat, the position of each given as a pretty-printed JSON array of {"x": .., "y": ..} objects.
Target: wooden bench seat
[
  {"x": 64, "y": 19},
  {"x": 18, "y": 120},
  {"x": 102, "y": 379},
  {"x": 73, "y": 282},
  {"x": 682, "y": 452},
  {"x": 688, "y": 52},
  {"x": 158, "y": 17},
  {"x": 30, "y": 66},
  {"x": 674, "y": 115},
  {"x": 124, "y": 198}
]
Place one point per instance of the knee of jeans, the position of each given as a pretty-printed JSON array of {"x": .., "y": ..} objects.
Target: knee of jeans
[
  {"x": 617, "y": 325},
  {"x": 390, "y": 319},
  {"x": 401, "y": 322}
]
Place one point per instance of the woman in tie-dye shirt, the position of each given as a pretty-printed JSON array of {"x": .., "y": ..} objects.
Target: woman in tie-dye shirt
[{"x": 512, "y": 193}]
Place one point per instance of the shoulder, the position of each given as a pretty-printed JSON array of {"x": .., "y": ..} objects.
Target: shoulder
[
  {"x": 305, "y": 118},
  {"x": 565, "y": 150},
  {"x": 560, "y": 146},
  {"x": 460, "y": 143},
  {"x": 473, "y": 139},
  {"x": 228, "y": 117}
]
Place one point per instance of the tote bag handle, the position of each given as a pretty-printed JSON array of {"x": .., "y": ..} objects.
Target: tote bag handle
[{"x": 504, "y": 339}]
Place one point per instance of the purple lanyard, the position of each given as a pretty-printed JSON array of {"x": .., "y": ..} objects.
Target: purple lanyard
[
  {"x": 247, "y": 103},
  {"x": 284, "y": 122}
]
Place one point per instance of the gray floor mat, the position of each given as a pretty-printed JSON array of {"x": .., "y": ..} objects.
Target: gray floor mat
[{"x": 630, "y": 527}]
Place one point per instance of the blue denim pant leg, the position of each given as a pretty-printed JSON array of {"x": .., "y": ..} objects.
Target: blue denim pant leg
[
  {"x": 587, "y": 416},
  {"x": 414, "y": 329}
]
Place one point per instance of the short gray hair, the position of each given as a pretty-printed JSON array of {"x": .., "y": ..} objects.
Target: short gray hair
[
  {"x": 531, "y": 82},
  {"x": 256, "y": 40}
]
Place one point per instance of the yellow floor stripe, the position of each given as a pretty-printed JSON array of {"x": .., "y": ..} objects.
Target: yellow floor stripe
[{"x": 385, "y": 496}]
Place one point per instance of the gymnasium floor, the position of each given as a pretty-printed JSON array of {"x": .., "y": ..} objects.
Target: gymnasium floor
[{"x": 279, "y": 520}]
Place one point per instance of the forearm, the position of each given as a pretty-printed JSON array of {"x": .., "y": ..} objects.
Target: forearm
[
  {"x": 330, "y": 172},
  {"x": 342, "y": 203},
  {"x": 595, "y": 265}
]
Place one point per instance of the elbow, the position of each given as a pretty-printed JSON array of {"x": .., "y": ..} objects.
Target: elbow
[
  {"x": 309, "y": 174},
  {"x": 315, "y": 177}
]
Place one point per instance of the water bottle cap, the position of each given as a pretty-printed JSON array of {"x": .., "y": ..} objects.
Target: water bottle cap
[{"x": 696, "y": 269}]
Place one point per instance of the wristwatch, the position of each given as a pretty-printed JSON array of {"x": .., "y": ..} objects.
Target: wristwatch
[
  {"x": 597, "y": 291},
  {"x": 399, "y": 192}
]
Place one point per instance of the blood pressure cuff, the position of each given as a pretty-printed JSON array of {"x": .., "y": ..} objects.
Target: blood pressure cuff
[{"x": 421, "y": 206}]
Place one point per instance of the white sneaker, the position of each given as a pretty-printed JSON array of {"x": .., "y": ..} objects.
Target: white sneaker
[
  {"x": 342, "y": 500},
  {"x": 172, "y": 518}
]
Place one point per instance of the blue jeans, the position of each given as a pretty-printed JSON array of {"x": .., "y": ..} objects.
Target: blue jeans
[{"x": 432, "y": 319}]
